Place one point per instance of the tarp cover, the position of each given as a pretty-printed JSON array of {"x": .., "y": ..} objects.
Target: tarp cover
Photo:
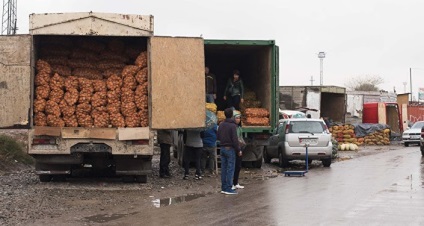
[{"x": 363, "y": 129}]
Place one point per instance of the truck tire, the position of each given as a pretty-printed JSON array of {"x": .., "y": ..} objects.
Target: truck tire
[
  {"x": 282, "y": 162},
  {"x": 141, "y": 179},
  {"x": 257, "y": 164},
  {"x": 326, "y": 162},
  {"x": 422, "y": 150},
  {"x": 267, "y": 159},
  {"x": 406, "y": 144},
  {"x": 128, "y": 179},
  {"x": 45, "y": 178}
]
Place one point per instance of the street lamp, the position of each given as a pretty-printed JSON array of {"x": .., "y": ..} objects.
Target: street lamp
[{"x": 321, "y": 56}]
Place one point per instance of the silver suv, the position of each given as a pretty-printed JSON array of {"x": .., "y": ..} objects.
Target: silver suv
[{"x": 288, "y": 142}]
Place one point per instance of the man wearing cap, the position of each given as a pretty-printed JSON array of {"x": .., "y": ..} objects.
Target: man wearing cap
[{"x": 227, "y": 135}]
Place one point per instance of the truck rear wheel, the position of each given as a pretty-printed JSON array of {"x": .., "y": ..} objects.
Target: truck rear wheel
[
  {"x": 141, "y": 179},
  {"x": 267, "y": 159},
  {"x": 257, "y": 164},
  {"x": 45, "y": 178}
]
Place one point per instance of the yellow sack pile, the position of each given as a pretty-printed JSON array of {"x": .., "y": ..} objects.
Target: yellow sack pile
[
  {"x": 381, "y": 137},
  {"x": 211, "y": 107},
  {"x": 345, "y": 136},
  {"x": 221, "y": 116}
]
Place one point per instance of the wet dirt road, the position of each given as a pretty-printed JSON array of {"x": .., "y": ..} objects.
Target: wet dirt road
[{"x": 382, "y": 189}]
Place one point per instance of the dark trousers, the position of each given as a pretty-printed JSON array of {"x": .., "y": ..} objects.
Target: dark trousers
[
  {"x": 188, "y": 153},
  {"x": 237, "y": 170},
  {"x": 235, "y": 102},
  {"x": 165, "y": 159}
]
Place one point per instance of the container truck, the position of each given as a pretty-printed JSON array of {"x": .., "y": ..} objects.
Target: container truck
[
  {"x": 257, "y": 61},
  {"x": 175, "y": 93}
]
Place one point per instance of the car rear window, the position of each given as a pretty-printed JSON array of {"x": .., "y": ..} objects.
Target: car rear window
[{"x": 306, "y": 127}]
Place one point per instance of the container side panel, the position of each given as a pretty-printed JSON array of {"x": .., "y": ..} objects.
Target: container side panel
[
  {"x": 177, "y": 88},
  {"x": 106, "y": 24},
  {"x": 15, "y": 80},
  {"x": 313, "y": 99}
]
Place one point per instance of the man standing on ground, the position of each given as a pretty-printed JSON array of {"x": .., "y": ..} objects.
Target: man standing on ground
[
  {"x": 210, "y": 83},
  {"x": 227, "y": 135},
  {"x": 209, "y": 149},
  {"x": 165, "y": 141}
]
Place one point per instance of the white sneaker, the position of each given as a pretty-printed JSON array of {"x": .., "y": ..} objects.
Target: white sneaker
[
  {"x": 238, "y": 186},
  {"x": 233, "y": 188}
]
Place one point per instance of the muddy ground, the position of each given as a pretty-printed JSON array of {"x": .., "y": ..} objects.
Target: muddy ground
[{"x": 23, "y": 199}]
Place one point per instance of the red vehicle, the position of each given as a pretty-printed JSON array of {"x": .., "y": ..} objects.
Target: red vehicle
[{"x": 383, "y": 113}]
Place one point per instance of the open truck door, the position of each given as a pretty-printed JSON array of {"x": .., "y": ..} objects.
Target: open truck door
[
  {"x": 177, "y": 75},
  {"x": 15, "y": 81}
]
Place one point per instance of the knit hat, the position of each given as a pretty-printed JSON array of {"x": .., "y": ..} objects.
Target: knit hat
[{"x": 236, "y": 114}]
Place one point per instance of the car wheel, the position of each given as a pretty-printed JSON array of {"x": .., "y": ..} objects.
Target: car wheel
[
  {"x": 326, "y": 162},
  {"x": 283, "y": 162},
  {"x": 422, "y": 150},
  {"x": 406, "y": 144},
  {"x": 45, "y": 178},
  {"x": 258, "y": 163},
  {"x": 267, "y": 159}
]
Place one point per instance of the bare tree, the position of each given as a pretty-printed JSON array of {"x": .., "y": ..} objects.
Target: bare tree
[{"x": 365, "y": 83}]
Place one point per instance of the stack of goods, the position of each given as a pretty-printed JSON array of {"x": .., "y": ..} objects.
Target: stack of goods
[
  {"x": 380, "y": 137},
  {"x": 256, "y": 117},
  {"x": 221, "y": 116},
  {"x": 345, "y": 136},
  {"x": 211, "y": 107},
  {"x": 91, "y": 86},
  {"x": 250, "y": 101}
]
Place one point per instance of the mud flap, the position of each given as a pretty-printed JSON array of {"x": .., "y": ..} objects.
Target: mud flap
[{"x": 129, "y": 165}]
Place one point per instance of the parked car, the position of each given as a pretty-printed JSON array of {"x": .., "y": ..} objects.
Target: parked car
[
  {"x": 412, "y": 135},
  {"x": 422, "y": 141},
  {"x": 288, "y": 141}
]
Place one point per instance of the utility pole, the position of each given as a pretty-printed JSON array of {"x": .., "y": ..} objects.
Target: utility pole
[
  {"x": 9, "y": 17},
  {"x": 410, "y": 81},
  {"x": 312, "y": 80},
  {"x": 321, "y": 56}
]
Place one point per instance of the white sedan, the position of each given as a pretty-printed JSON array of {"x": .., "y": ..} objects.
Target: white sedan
[{"x": 412, "y": 135}]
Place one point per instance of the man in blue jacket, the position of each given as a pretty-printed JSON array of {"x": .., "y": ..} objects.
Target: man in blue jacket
[{"x": 209, "y": 149}]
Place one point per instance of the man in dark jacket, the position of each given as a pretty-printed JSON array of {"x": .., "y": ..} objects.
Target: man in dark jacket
[
  {"x": 227, "y": 135},
  {"x": 210, "y": 83},
  {"x": 235, "y": 90},
  {"x": 165, "y": 141}
]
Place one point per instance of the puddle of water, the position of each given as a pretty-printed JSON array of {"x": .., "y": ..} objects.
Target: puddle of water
[
  {"x": 103, "y": 218},
  {"x": 158, "y": 203}
]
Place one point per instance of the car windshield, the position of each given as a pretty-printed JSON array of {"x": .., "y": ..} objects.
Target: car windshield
[
  {"x": 306, "y": 127},
  {"x": 418, "y": 125}
]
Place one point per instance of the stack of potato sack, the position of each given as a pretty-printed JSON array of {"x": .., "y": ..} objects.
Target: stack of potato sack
[
  {"x": 221, "y": 116},
  {"x": 250, "y": 101},
  {"x": 381, "y": 137},
  {"x": 211, "y": 107},
  {"x": 345, "y": 136},
  {"x": 255, "y": 117},
  {"x": 91, "y": 86}
]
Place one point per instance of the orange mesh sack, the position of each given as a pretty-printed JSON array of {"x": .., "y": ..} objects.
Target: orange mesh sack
[
  {"x": 256, "y": 112},
  {"x": 40, "y": 119}
]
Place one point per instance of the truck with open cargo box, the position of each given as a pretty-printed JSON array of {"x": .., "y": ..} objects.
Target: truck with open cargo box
[
  {"x": 257, "y": 61},
  {"x": 174, "y": 87}
]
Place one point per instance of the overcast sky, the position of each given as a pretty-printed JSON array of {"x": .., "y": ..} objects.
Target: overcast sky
[{"x": 361, "y": 37}]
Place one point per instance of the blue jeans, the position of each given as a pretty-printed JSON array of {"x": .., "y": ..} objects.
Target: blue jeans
[
  {"x": 210, "y": 98},
  {"x": 228, "y": 161}
]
